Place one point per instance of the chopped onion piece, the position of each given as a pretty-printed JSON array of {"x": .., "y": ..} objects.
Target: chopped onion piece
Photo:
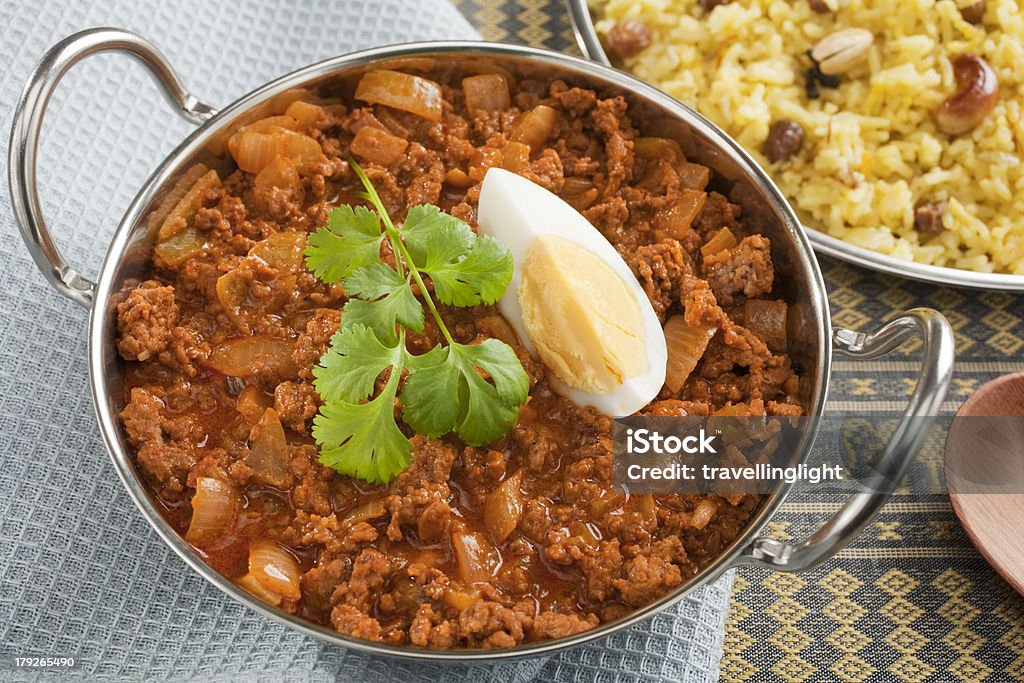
[
  {"x": 576, "y": 185},
  {"x": 181, "y": 216},
  {"x": 232, "y": 290},
  {"x": 694, "y": 176},
  {"x": 306, "y": 114},
  {"x": 607, "y": 502},
  {"x": 486, "y": 91},
  {"x": 263, "y": 125},
  {"x": 269, "y": 123},
  {"x": 676, "y": 221},
  {"x": 686, "y": 346},
  {"x": 244, "y": 356},
  {"x": 275, "y": 569},
  {"x": 268, "y": 453},
  {"x": 214, "y": 508},
  {"x": 487, "y": 66},
  {"x": 515, "y": 157},
  {"x": 475, "y": 558},
  {"x": 280, "y": 174},
  {"x": 403, "y": 91},
  {"x": 253, "y": 150},
  {"x": 717, "y": 243},
  {"x": 178, "y": 220},
  {"x": 281, "y": 250},
  {"x": 181, "y": 247},
  {"x": 703, "y": 514},
  {"x": 581, "y": 201},
  {"x": 364, "y": 512},
  {"x": 504, "y": 508},
  {"x": 252, "y": 403},
  {"x": 767, "y": 320},
  {"x": 535, "y": 127},
  {"x": 460, "y": 600},
  {"x": 659, "y": 148},
  {"x": 733, "y": 410},
  {"x": 674, "y": 129},
  {"x": 181, "y": 187},
  {"x": 456, "y": 177},
  {"x": 256, "y": 150},
  {"x": 378, "y": 146},
  {"x": 645, "y": 505},
  {"x": 249, "y": 583},
  {"x": 299, "y": 148},
  {"x": 481, "y": 160},
  {"x": 587, "y": 532}
]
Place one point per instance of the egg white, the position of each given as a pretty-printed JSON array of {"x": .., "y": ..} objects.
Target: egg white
[{"x": 516, "y": 211}]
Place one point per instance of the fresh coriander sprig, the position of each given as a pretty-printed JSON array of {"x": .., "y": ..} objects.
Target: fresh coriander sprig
[{"x": 474, "y": 390}]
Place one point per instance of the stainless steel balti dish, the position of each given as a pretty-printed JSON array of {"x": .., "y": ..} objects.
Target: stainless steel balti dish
[{"x": 813, "y": 336}]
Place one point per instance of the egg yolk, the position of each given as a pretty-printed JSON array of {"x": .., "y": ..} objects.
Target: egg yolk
[{"x": 580, "y": 316}]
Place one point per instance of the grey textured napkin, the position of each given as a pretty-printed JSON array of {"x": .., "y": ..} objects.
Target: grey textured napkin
[{"x": 81, "y": 573}]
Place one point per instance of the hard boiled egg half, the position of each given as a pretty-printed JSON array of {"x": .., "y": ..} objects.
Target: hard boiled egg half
[{"x": 573, "y": 300}]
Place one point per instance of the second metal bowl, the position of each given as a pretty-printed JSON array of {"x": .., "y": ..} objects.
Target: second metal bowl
[{"x": 590, "y": 44}]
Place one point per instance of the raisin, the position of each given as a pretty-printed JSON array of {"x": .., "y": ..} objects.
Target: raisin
[
  {"x": 973, "y": 13},
  {"x": 628, "y": 38},
  {"x": 785, "y": 138}
]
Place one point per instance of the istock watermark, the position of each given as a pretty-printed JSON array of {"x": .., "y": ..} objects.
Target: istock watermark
[
  {"x": 732, "y": 455},
  {"x": 648, "y": 441}
]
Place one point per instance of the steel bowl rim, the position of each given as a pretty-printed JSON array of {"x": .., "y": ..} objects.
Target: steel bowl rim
[
  {"x": 590, "y": 45},
  {"x": 99, "y": 320}
]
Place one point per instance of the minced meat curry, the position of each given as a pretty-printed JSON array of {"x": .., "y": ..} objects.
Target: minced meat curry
[{"x": 520, "y": 540}]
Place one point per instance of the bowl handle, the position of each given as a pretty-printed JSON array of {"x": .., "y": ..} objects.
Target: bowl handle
[
  {"x": 932, "y": 383},
  {"x": 28, "y": 119}
]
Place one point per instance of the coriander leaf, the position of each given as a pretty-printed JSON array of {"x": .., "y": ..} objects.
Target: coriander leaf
[
  {"x": 444, "y": 391},
  {"x": 434, "y": 356},
  {"x": 474, "y": 390},
  {"x": 466, "y": 269},
  {"x": 362, "y": 439},
  {"x": 354, "y": 359},
  {"x": 489, "y": 411},
  {"x": 430, "y": 395},
  {"x": 373, "y": 281},
  {"x": 351, "y": 239},
  {"x": 482, "y": 275},
  {"x": 486, "y": 417},
  {"x": 435, "y": 238},
  {"x": 392, "y": 301},
  {"x": 381, "y": 316},
  {"x": 498, "y": 360}
]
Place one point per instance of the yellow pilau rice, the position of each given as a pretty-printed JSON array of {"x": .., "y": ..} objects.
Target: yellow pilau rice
[{"x": 872, "y": 151}]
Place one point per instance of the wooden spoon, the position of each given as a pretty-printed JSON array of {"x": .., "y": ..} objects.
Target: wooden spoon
[{"x": 984, "y": 468}]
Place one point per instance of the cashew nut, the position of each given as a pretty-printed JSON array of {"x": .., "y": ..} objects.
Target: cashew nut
[
  {"x": 977, "y": 89},
  {"x": 841, "y": 51}
]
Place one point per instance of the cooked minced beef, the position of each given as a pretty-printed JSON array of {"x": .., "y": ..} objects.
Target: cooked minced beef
[{"x": 377, "y": 562}]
